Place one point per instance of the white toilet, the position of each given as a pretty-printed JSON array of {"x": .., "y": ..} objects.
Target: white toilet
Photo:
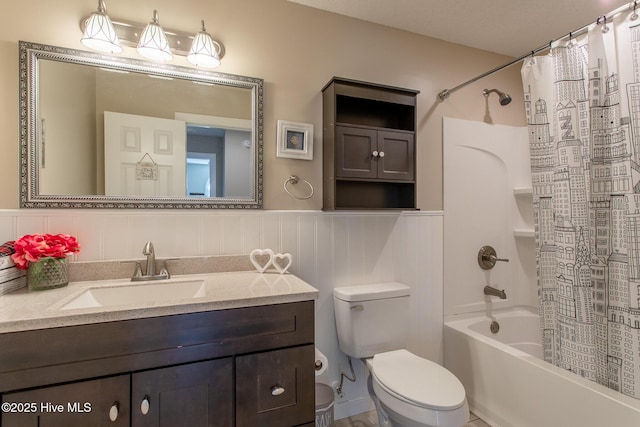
[{"x": 409, "y": 391}]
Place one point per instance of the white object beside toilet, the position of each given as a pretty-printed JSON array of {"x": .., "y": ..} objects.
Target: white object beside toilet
[{"x": 372, "y": 323}]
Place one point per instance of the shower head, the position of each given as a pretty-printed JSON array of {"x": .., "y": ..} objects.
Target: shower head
[{"x": 504, "y": 98}]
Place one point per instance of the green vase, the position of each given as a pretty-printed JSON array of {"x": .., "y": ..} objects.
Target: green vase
[{"x": 48, "y": 273}]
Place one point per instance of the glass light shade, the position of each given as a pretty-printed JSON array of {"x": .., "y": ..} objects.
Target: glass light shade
[
  {"x": 153, "y": 43},
  {"x": 99, "y": 33},
  {"x": 203, "y": 52}
]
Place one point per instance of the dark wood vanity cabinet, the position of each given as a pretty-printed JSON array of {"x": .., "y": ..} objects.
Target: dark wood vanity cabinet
[
  {"x": 241, "y": 367},
  {"x": 369, "y": 146},
  {"x": 195, "y": 394},
  {"x": 87, "y": 403}
]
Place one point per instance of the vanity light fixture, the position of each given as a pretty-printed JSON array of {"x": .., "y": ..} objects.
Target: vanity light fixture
[
  {"x": 150, "y": 40},
  {"x": 99, "y": 33},
  {"x": 153, "y": 43},
  {"x": 204, "y": 50}
]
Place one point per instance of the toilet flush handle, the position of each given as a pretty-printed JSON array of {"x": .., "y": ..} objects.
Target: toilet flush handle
[{"x": 358, "y": 307}]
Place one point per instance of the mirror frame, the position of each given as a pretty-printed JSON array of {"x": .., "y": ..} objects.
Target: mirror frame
[{"x": 31, "y": 53}]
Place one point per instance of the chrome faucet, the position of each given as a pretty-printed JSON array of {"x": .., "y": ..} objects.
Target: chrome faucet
[
  {"x": 151, "y": 258},
  {"x": 150, "y": 274},
  {"x": 488, "y": 290}
]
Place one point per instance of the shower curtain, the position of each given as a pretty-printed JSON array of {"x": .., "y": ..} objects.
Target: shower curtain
[{"x": 583, "y": 109}]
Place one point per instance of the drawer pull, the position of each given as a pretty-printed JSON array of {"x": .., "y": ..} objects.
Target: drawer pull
[
  {"x": 144, "y": 406},
  {"x": 113, "y": 411},
  {"x": 277, "y": 390}
]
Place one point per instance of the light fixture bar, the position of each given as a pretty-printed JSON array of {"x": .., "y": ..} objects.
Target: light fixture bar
[{"x": 129, "y": 34}]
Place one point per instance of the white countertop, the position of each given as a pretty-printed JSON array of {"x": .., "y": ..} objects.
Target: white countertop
[{"x": 23, "y": 310}]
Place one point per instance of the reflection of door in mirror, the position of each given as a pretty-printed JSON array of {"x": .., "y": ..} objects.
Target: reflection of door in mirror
[
  {"x": 205, "y": 161},
  {"x": 144, "y": 156},
  {"x": 223, "y": 143},
  {"x": 218, "y": 158},
  {"x": 201, "y": 175}
]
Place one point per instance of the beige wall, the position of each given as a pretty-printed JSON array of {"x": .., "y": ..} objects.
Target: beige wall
[{"x": 296, "y": 50}]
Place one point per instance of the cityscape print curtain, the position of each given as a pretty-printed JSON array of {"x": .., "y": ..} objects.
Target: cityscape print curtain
[{"x": 583, "y": 108}]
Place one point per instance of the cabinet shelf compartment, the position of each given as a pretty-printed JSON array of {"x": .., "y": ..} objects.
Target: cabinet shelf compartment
[
  {"x": 374, "y": 195},
  {"x": 368, "y": 112}
]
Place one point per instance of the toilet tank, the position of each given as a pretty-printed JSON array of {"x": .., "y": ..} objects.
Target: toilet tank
[{"x": 371, "y": 319}]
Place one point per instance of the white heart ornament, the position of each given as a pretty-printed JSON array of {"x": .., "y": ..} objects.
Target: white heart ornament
[
  {"x": 259, "y": 252},
  {"x": 282, "y": 262}
]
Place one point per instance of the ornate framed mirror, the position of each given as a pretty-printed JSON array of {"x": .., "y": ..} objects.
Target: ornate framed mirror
[{"x": 100, "y": 131}]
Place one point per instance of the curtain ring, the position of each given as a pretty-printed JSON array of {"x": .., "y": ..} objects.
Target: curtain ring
[
  {"x": 604, "y": 24},
  {"x": 634, "y": 15},
  {"x": 293, "y": 179},
  {"x": 571, "y": 40}
]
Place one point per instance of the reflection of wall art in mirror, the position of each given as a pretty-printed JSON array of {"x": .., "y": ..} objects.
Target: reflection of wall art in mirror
[
  {"x": 202, "y": 130},
  {"x": 295, "y": 140}
]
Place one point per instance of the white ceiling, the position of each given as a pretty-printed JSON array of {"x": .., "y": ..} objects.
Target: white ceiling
[{"x": 508, "y": 27}]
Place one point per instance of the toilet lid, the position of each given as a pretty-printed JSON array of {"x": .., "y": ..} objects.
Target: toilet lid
[{"x": 418, "y": 380}]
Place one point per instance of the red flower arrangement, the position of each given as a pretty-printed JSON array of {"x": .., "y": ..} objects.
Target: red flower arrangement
[{"x": 34, "y": 247}]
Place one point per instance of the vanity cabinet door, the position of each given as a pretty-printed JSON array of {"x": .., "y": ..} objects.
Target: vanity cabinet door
[
  {"x": 103, "y": 402},
  {"x": 192, "y": 395},
  {"x": 275, "y": 388}
]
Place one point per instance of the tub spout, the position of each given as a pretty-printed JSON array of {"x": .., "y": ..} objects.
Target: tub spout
[{"x": 488, "y": 290}]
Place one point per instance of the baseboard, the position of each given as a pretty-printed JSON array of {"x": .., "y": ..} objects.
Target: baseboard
[{"x": 352, "y": 407}]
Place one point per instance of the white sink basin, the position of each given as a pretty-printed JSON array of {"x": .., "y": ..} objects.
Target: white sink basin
[{"x": 137, "y": 293}]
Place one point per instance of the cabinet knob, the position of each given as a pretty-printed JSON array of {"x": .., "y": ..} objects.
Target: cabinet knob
[
  {"x": 381, "y": 154},
  {"x": 277, "y": 390},
  {"x": 374, "y": 154},
  {"x": 144, "y": 406},
  {"x": 113, "y": 411}
]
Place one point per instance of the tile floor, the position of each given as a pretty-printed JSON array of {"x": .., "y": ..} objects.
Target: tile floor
[{"x": 370, "y": 419}]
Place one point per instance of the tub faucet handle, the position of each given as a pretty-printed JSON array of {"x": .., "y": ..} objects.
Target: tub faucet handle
[{"x": 487, "y": 258}]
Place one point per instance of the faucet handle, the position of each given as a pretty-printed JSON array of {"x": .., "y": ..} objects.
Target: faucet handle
[
  {"x": 487, "y": 258},
  {"x": 138, "y": 269},
  {"x": 164, "y": 271}
]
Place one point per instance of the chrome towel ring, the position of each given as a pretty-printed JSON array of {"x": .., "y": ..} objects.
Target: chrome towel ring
[{"x": 293, "y": 179}]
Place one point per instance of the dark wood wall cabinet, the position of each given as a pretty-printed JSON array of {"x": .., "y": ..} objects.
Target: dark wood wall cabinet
[
  {"x": 242, "y": 367},
  {"x": 369, "y": 146}
]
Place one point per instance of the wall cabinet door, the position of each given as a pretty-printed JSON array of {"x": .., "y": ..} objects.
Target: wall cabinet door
[
  {"x": 275, "y": 388},
  {"x": 103, "y": 402},
  {"x": 354, "y": 152},
  {"x": 374, "y": 154},
  {"x": 193, "y": 395},
  {"x": 396, "y": 151}
]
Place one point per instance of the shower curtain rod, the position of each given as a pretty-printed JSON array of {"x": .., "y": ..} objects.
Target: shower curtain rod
[{"x": 445, "y": 93}]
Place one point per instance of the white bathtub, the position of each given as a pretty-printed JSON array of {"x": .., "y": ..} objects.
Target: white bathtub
[{"x": 508, "y": 384}]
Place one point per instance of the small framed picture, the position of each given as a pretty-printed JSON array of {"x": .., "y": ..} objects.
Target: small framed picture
[{"x": 295, "y": 140}]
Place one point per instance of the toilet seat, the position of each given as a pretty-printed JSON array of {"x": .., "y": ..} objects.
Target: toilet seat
[{"x": 417, "y": 381}]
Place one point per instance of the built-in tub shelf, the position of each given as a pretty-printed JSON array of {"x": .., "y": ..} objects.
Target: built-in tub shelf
[
  {"x": 522, "y": 191},
  {"x": 524, "y": 232},
  {"x": 522, "y": 194}
]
